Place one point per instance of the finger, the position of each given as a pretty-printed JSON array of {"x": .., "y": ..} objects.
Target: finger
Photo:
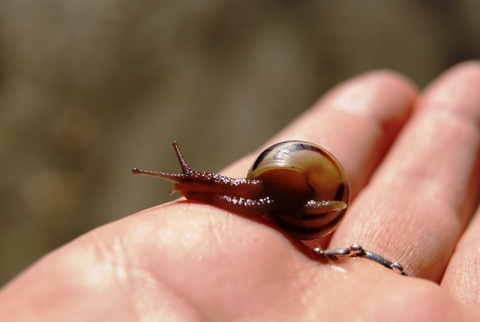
[
  {"x": 356, "y": 122},
  {"x": 463, "y": 272},
  {"x": 419, "y": 201}
]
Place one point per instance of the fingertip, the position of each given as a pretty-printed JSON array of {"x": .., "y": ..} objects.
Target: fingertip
[
  {"x": 456, "y": 90},
  {"x": 466, "y": 66},
  {"x": 392, "y": 78},
  {"x": 459, "y": 72},
  {"x": 383, "y": 95}
]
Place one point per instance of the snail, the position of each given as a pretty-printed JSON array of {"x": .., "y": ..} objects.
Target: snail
[{"x": 300, "y": 186}]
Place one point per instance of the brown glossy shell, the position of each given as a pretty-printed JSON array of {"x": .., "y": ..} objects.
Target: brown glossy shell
[{"x": 295, "y": 173}]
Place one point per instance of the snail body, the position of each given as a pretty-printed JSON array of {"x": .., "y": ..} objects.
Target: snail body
[{"x": 297, "y": 184}]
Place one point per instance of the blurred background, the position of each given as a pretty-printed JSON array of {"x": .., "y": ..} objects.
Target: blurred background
[{"x": 89, "y": 89}]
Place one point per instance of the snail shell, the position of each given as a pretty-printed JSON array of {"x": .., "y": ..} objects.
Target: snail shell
[{"x": 297, "y": 184}]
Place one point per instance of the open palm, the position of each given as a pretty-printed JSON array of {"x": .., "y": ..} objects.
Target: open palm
[{"x": 413, "y": 164}]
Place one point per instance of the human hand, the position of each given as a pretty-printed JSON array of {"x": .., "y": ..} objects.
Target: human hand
[{"x": 413, "y": 164}]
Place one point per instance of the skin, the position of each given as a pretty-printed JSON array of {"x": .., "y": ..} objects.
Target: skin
[{"x": 413, "y": 163}]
